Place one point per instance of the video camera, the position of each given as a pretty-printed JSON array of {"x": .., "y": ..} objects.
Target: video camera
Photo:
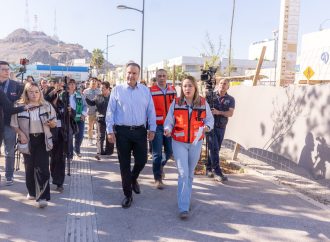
[
  {"x": 208, "y": 76},
  {"x": 24, "y": 61},
  {"x": 22, "y": 69}
]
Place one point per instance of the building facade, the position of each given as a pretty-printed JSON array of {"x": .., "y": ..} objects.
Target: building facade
[{"x": 315, "y": 52}]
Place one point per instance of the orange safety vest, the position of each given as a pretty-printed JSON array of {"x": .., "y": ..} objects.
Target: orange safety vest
[
  {"x": 162, "y": 102},
  {"x": 185, "y": 127}
]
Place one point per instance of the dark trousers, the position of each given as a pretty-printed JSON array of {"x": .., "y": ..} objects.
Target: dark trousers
[
  {"x": 157, "y": 151},
  {"x": 215, "y": 138},
  {"x": 37, "y": 168},
  {"x": 57, "y": 158},
  {"x": 128, "y": 140},
  {"x": 101, "y": 137},
  {"x": 78, "y": 138}
]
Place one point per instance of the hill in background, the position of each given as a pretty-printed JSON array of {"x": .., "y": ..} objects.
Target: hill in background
[{"x": 37, "y": 46}]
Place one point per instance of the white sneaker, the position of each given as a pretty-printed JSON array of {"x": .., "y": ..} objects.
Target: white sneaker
[
  {"x": 29, "y": 197},
  {"x": 9, "y": 182},
  {"x": 42, "y": 203}
]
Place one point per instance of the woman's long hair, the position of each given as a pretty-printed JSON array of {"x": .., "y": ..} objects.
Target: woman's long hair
[
  {"x": 25, "y": 98},
  {"x": 196, "y": 98}
]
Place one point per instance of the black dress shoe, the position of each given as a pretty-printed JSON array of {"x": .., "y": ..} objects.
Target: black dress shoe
[
  {"x": 127, "y": 202},
  {"x": 136, "y": 187}
]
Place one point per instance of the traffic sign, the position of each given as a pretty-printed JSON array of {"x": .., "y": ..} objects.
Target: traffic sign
[{"x": 309, "y": 73}]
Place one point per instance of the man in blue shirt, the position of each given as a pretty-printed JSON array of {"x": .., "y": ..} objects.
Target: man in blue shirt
[
  {"x": 222, "y": 106},
  {"x": 130, "y": 108}
]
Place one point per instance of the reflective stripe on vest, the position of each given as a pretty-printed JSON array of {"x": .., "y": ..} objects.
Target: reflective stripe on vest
[
  {"x": 185, "y": 128},
  {"x": 162, "y": 102}
]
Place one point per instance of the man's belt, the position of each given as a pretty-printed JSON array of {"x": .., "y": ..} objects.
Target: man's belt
[{"x": 133, "y": 127}]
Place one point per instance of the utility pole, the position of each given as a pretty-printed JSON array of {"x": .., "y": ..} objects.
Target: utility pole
[{"x": 230, "y": 39}]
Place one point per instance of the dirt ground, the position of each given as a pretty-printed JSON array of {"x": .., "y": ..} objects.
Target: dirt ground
[{"x": 227, "y": 167}]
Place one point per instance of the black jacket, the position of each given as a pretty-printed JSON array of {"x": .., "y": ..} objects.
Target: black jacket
[
  {"x": 101, "y": 103},
  {"x": 14, "y": 92}
]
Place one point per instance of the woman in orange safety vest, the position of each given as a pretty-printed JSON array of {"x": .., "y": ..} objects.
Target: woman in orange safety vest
[{"x": 188, "y": 118}]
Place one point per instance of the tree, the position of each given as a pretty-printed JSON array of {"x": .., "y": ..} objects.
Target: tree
[
  {"x": 212, "y": 51},
  {"x": 179, "y": 73},
  {"x": 97, "y": 59}
]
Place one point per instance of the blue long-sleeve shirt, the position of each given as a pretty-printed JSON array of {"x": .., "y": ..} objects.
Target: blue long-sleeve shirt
[{"x": 130, "y": 106}]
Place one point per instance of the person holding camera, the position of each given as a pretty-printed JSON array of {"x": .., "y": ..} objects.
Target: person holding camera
[
  {"x": 35, "y": 141},
  {"x": 62, "y": 134},
  {"x": 101, "y": 103},
  {"x": 188, "y": 118},
  {"x": 13, "y": 91},
  {"x": 223, "y": 106},
  {"x": 162, "y": 95}
]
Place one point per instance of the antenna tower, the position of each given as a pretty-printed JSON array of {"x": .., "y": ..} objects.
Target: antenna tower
[
  {"x": 35, "y": 26},
  {"x": 27, "y": 19},
  {"x": 55, "y": 36}
]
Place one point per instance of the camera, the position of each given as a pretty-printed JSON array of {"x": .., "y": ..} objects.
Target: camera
[
  {"x": 22, "y": 69},
  {"x": 24, "y": 61},
  {"x": 208, "y": 76}
]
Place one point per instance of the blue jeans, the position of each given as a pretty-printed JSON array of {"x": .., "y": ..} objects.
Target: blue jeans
[
  {"x": 9, "y": 138},
  {"x": 215, "y": 138},
  {"x": 78, "y": 138},
  {"x": 157, "y": 151},
  {"x": 186, "y": 157}
]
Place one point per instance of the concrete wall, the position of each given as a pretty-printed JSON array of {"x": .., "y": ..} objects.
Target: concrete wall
[{"x": 293, "y": 122}]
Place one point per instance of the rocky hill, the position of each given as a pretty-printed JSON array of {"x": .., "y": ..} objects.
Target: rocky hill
[{"x": 38, "y": 47}]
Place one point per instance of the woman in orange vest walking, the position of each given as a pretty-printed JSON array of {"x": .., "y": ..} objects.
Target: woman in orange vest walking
[{"x": 188, "y": 118}]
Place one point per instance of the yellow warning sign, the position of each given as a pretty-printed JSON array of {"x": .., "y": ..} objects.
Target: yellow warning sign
[{"x": 309, "y": 73}]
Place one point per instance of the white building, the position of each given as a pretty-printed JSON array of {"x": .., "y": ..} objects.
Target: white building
[
  {"x": 189, "y": 64},
  {"x": 117, "y": 75},
  {"x": 315, "y": 52},
  {"x": 193, "y": 66},
  {"x": 78, "y": 62},
  {"x": 256, "y": 47}
]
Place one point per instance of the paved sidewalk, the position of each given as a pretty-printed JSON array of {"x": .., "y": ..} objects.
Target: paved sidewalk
[{"x": 247, "y": 208}]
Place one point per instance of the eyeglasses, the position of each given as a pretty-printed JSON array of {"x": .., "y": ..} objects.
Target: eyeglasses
[
  {"x": 161, "y": 75},
  {"x": 4, "y": 69}
]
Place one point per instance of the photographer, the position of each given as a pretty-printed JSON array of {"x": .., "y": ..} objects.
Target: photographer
[
  {"x": 56, "y": 96},
  {"x": 222, "y": 108}
]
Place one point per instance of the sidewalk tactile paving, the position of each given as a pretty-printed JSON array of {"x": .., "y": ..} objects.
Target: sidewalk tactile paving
[{"x": 81, "y": 218}]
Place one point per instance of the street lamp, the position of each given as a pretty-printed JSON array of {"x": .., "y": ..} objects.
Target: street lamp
[
  {"x": 108, "y": 35},
  {"x": 142, "y": 12},
  {"x": 321, "y": 25}
]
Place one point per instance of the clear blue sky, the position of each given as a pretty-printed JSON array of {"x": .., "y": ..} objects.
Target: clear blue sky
[{"x": 172, "y": 27}]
